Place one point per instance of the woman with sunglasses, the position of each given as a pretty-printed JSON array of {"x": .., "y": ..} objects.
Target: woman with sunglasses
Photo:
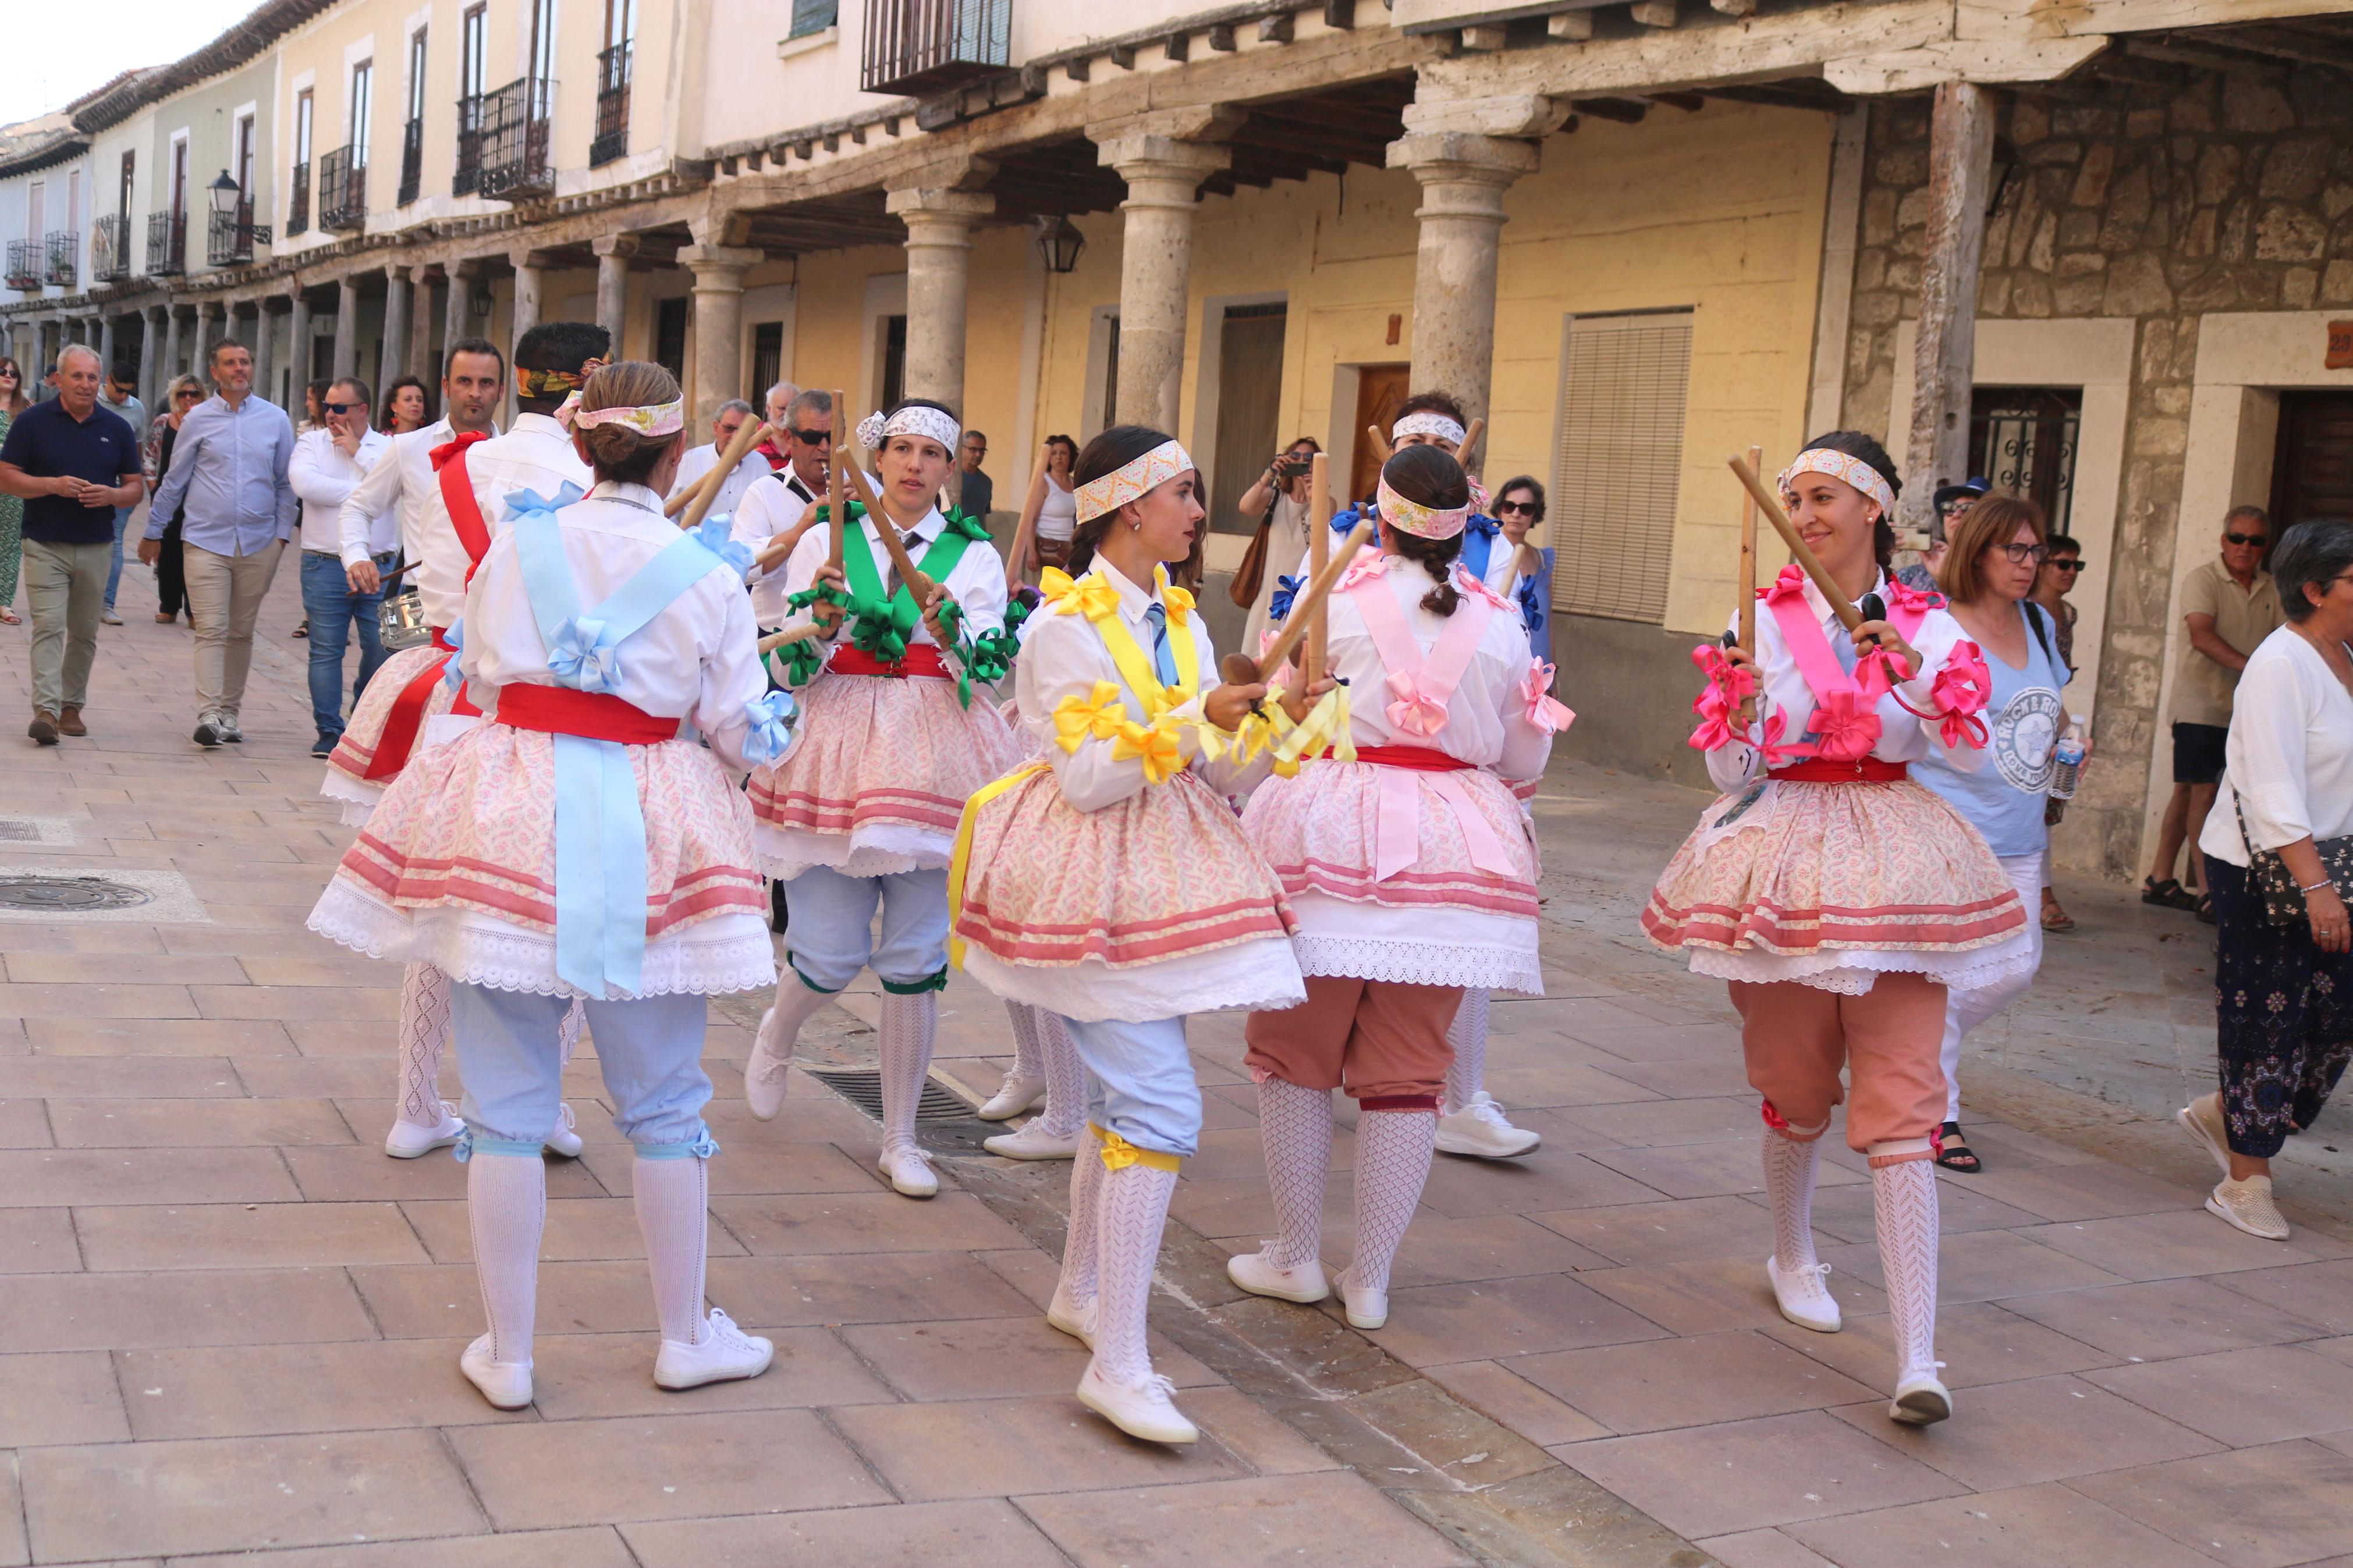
[
  {"x": 1994, "y": 554},
  {"x": 155, "y": 458},
  {"x": 12, "y": 402}
]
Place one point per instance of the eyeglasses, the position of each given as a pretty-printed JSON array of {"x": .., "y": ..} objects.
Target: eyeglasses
[
  {"x": 2245, "y": 538},
  {"x": 1515, "y": 508},
  {"x": 2019, "y": 554},
  {"x": 811, "y": 437}
]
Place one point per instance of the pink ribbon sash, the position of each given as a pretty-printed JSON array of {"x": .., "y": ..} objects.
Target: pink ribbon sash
[{"x": 1422, "y": 687}]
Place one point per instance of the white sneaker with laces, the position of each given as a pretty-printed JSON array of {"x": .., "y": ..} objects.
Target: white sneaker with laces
[
  {"x": 1144, "y": 1410},
  {"x": 1076, "y": 1320},
  {"x": 910, "y": 1172},
  {"x": 2247, "y": 1206},
  {"x": 407, "y": 1140},
  {"x": 1804, "y": 1296},
  {"x": 564, "y": 1140},
  {"x": 1258, "y": 1274},
  {"x": 1017, "y": 1095},
  {"x": 726, "y": 1352},
  {"x": 1922, "y": 1400},
  {"x": 1363, "y": 1308},
  {"x": 765, "y": 1072},
  {"x": 1033, "y": 1142},
  {"x": 505, "y": 1384},
  {"x": 1481, "y": 1130}
]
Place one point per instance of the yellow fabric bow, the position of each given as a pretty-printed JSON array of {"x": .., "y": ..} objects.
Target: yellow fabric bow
[
  {"x": 1100, "y": 714},
  {"x": 1118, "y": 1153},
  {"x": 1156, "y": 743},
  {"x": 1089, "y": 595},
  {"x": 1178, "y": 602}
]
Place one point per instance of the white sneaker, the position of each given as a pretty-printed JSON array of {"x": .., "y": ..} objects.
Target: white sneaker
[
  {"x": 726, "y": 1352},
  {"x": 564, "y": 1141},
  {"x": 1363, "y": 1308},
  {"x": 1804, "y": 1296},
  {"x": 910, "y": 1172},
  {"x": 2247, "y": 1206},
  {"x": 505, "y": 1384},
  {"x": 1078, "y": 1321},
  {"x": 1017, "y": 1095},
  {"x": 1144, "y": 1410},
  {"x": 407, "y": 1140},
  {"x": 1921, "y": 1400},
  {"x": 1256, "y": 1274},
  {"x": 1033, "y": 1142},
  {"x": 231, "y": 730},
  {"x": 764, "y": 1073},
  {"x": 2202, "y": 1120},
  {"x": 1481, "y": 1130}
]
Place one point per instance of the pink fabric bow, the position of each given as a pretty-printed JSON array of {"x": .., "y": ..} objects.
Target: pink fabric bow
[
  {"x": 1904, "y": 599},
  {"x": 1789, "y": 584},
  {"x": 1960, "y": 694},
  {"x": 1846, "y": 727},
  {"x": 1544, "y": 710},
  {"x": 1728, "y": 686},
  {"x": 1417, "y": 711},
  {"x": 1368, "y": 565}
]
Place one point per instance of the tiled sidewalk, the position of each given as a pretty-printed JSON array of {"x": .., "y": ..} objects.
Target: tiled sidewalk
[{"x": 231, "y": 1323}]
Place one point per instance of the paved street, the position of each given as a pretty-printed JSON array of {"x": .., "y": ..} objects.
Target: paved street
[{"x": 230, "y": 1325}]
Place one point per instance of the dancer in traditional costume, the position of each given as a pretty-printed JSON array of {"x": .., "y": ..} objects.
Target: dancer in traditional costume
[
  {"x": 1413, "y": 875},
  {"x": 460, "y": 492},
  {"x": 1107, "y": 883},
  {"x": 891, "y": 742},
  {"x": 580, "y": 843},
  {"x": 1840, "y": 899}
]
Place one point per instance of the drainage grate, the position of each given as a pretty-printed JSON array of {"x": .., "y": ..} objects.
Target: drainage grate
[
  {"x": 69, "y": 895},
  {"x": 16, "y": 830},
  {"x": 942, "y": 1121}
]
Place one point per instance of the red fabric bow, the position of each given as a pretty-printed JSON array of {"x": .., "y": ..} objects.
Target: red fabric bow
[{"x": 451, "y": 449}]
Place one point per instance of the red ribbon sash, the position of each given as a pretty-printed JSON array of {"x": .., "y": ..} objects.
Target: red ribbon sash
[
  {"x": 1418, "y": 759},
  {"x": 921, "y": 658},
  {"x": 561, "y": 710},
  {"x": 1863, "y": 770}
]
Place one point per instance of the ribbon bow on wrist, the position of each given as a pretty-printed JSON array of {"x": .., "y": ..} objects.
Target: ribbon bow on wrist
[
  {"x": 1544, "y": 710},
  {"x": 770, "y": 718}
]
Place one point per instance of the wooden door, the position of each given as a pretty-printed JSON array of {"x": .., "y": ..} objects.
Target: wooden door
[
  {"x": 2312, "y": 469},
  {"x": 1379, "y": 389}
]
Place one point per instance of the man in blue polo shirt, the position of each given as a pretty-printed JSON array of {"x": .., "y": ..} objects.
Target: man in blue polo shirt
[{"x": 73, "y": 463}]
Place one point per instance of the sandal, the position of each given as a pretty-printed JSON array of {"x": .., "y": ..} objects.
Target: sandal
[
  {"x": 1954, "y": 1153},
  {"x": 2168, "y": 894},
  {"x": 10, "y": 616},
  {"x": 2205, "y": 908},
  {"x": 2055, "y": 919}
]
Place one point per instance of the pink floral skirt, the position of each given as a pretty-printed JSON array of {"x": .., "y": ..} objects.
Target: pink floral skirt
[
  {"x": 347, "y": 765},
  {"x": 1320, "y": 831}
]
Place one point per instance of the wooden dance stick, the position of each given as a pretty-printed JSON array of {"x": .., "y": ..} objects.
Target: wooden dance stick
[
  {"x": 1849, "y": 616},
  {"x": 790, "y": 635},
  {"x": 840, "y": 444},
  {"x": 1240, "y": 669},
  {"x": 1748, "y": 581},
  {"x": 697, "y": 501},
  {"x": 1319, "y": 554},
  {"x": 917, "y": 584},
  {"x": 1380, "y": 442},
  {"x": 1471, "y": 438}
]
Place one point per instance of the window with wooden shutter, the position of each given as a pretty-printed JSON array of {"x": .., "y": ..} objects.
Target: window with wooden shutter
[{"x": 1617, "y": 462}]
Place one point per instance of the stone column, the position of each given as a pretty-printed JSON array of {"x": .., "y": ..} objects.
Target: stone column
[
  {"x": 613, "y": 253},
  {"x": 151, "y": 360},
  {"x": 51, "y": 341},
  {"x": 172, "y": 348},
  {"x": 298, "y": 353},
  {"x": 106, "y": 342},
  {"x": 392, "y": 358},
  {"x": 265, "y": 352},
  {"x": 212, "y": 325},
  {"x": 1944, "y": 357},
  {"x": 1164, "y": 158},
  {"x": 1463, "y": 178},
  {"x": 456, "y": 318},
  {"x": 347, "y": 326},
  {"x": 420, "y": 332},
  {"x": 939, "y": 257},
  {"x": 529, "y": 276},
  {"x": 718, "y": 323}
]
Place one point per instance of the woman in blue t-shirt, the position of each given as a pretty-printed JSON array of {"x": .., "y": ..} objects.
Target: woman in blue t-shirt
[{"x": 1996, "y": 551}]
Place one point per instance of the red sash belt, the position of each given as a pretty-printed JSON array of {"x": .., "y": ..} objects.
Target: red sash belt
[
  {"x": 400, "y": 725},
  {"x": 921, "y": 658},
  {"x": 561, "y": 710},
  {"x": 1870, "y": 770},
  {"x": 1420, "y": 758}
]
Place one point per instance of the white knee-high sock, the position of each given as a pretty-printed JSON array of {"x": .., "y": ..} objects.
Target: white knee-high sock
[
  {"x": 1027, "y": 1060},
  {"x": 1789, "y": 1168},
  {"x": 1294, "y": 1130},
  {"x": 1393, "y": 1154},
  {"x": 567, "y": 1033},
  {"x": 506, "y": 1208},
  {"x": 795, "y": 1004},
  {"x": 674, "y": 1216},
  {"x": 1077, "y": 1285},
  {"x": 1468, "y": 1036},
  {"x": 909, "y": 1025},
  {"x": 423, "y": 1029},
  {"x": 1904, "y": 1203},
  {"x": 1132, "y": 1208},
  {"x": 1066, "y": 1077}
]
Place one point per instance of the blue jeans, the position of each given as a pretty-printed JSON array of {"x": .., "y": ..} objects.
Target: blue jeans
[
  {"x": 1140, "y": 1083},
  {"x": 649, "y": 1050},
  {"x": 114, "y": 566},
  {"x": 829, "y": 931},
  {"x": 333, "y": 609}
]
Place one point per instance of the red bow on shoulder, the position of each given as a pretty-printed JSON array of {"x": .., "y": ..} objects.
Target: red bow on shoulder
[{"x": 451, "y": 449}]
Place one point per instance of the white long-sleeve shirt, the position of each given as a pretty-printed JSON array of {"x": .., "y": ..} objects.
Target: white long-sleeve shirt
[
  {"x": 324, "y": 476},
  {"x": 769, "y": 508},
  {"x": 977, "y": 584},
  {"x": 2288, "y": 764},
  {"x": 399, "y": 484},
  {"x": 536, "y": 454},
  {"x": 697, "y": 463},
  {"x": 694, "y": 660}
]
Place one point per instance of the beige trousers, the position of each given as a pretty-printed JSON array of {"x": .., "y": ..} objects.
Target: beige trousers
[
  {"x": 64, "y": 585},
  {"x": 225, "y": 595}
]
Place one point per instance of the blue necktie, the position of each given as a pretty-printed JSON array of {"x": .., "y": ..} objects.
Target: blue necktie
[{"x": 1164, "y": 663}]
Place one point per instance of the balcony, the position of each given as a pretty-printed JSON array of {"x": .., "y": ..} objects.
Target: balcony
[
  {"x": 167, "y": 244},
  {"x": 515, "y": 165},
  {"x": 228, "y": 237},
  {"x": 467, "y": 177},
  {"x": 298, "y": 208},
  {"x": 343, "y": 191},
  {"x": 412, "y": 160},
  {"x": 24, "y": 265},
  {"x": 612, "y": 106},
  {"x": 110, "y": 249},
  {"x": 62, "y": 263},
  {"x": 919, "y": 47}
]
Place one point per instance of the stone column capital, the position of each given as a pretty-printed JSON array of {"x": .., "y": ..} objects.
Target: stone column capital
[
  {"x": 398, "y": 272},
  {"x": 1461, "y": 157},
  {"x": 1506, "y": 114},
  {"x": 938, "y": 201},
  {"x": 527, "y": 259},
  {"x": 621, "y": 244},
  {"x": 1144, "y": 157},
  {"x": 720, "y": 266}
]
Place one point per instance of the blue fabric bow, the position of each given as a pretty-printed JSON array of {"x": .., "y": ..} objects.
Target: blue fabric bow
[
  {"x": 580, "y": 656},
  {"x": 523, "y": 503},
  {"x": 771, "y": 717},
  {"x": 716, "y": 534},
  {"x": 1285, "y": 590},
  {"x": 451, "y": 675}
]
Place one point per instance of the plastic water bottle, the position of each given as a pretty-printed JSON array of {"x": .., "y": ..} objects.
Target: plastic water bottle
[{"x": 2068, "y": 760}]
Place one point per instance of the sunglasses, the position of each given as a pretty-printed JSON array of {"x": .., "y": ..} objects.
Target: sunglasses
[
  {"x": 1515, "y": 508},
  {"x": 811, "y": 437},
  {"x": 341, "y": 408},
  {"x": 2245, "y": 538},
  {"x": 2066, "y": 566},
  {"x": 183, "y": 396}
]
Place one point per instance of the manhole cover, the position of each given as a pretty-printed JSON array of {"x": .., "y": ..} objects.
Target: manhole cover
[
  {"x": 942, "y": 1121},
  {"x": 69, "y": 895},
  {"x": 16, "y": 830}
]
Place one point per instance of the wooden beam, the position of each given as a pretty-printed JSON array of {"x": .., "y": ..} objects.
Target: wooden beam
[
  {"x": 1689, "y": 102},
  {"x": 1776, "y": 43},
  {"x": 1734, "y": 7},
  {"x": 1123, "y": 55},
  {"x": 1485, "y": 38},
  {"x": 1179, "y": 46},
  {"x": 1618, "y": 109},
  {"x": 1656, "y": 13},
  {"x": 1340, "y": 14},
  {"x": 1276, "y": 29},
  {"x": 2207, "y": 59},
  {"x": 1572, "y": 27},
  {"x": 1221, "y": 38},
  {"x": 1076, "y": 68}
]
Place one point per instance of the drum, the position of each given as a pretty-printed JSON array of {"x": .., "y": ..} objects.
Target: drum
[{"x": 400, "y": 620}]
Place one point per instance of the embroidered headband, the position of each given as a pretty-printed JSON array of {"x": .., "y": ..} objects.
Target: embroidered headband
[
  {"x": 650, "y": 419},
  {"x": 531, "y": 383},
  {"x": 1844, "y": 466},
  {"x": 1427, "y": 422},
  {"x": 1132, "y": 479},
  {"x": 913, "y": 420},
  {"x": 1414, "y": 518}
]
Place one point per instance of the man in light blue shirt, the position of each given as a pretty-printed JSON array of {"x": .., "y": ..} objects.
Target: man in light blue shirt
[{"x": 229, "y": 467}]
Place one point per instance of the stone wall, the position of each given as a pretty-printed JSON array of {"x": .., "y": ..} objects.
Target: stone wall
[{"x": 2157, "y": 204}]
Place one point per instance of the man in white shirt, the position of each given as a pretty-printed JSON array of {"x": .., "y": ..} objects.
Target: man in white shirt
[
  {"x": 327, "y": 466},
  {"x": 696, "y": 465},
  {"x": 473, "y": 377},
  {"x": 774, "y": 506}
]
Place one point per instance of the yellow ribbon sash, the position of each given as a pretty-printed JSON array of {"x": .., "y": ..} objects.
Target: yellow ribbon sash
[{"x": 960, "y": 857}]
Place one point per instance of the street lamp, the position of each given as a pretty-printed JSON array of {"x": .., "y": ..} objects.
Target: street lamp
[
  {"x": 232, "y": 238},
  {"x": 1059, "y": 242}
]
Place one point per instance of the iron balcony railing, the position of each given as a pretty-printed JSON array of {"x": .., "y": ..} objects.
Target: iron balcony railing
[
  {"x": 612, "y": 106},
  {"x": 167, "y": 244},
  {"x": 515, "y": 118},
  {"x": 228, "y": 237},
  {"x": 63, "y": 262},
  {"x": 412, "y": 160},
  {"x": 342, "y": 190},
  {"x": 110, "y": 255},
  {"x": 298, "y": 209},
  {"x": 919, "y": 47},
  {"x": 24, "y": 264},
  {"x": 467, "y": 177}
]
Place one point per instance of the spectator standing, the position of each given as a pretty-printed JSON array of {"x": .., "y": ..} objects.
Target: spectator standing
[
  {"x": 118, "y": 397},
  {"x": 696, "y": 466},
  {"x": 229, "y": 467},
  {"x": 1952, "y": 504},
  {"x": 2061, "y": 570},
  {"x": 1054, "y": 505},
  {"x": 326, "y": 468},
  {"x": 975, "y": 491},
  {"x": 2230, "y": 606},
  {"x": 2282, "y": 1028},
  {"x": 74, "y": 463},
  {"x": 156, "y": 460},
  {"x": 403, "y": 406},
  {"x": 777, "y": 410},
  {"x": 1287, "y": 486},
  {"x": 314, "y": 416},
  {"x": 779, "y": 503},
  {"x": 12, "y": 402}
]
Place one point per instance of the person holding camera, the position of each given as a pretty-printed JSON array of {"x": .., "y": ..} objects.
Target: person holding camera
[{"x": 1282, "y": 498}]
